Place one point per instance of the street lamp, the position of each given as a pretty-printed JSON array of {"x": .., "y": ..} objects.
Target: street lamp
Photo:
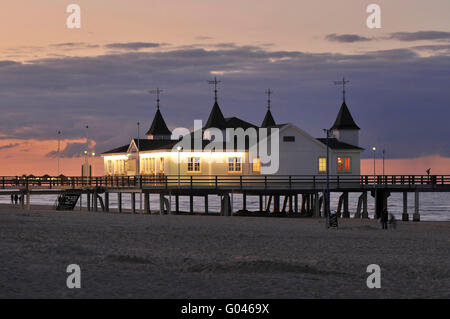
[
  {"x": 59, "y": 149},
  {"x": 179, "y": 149},
  {"x": 374, "y": 175},
  {"x": 327, "y": 211},
  {"x": 383, "y": 152}
]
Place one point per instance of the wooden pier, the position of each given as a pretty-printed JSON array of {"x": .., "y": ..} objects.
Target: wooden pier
[{"x": 269, "y": 188}]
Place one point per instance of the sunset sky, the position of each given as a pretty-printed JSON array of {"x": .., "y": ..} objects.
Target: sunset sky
[{"x": 54, "y": 78}]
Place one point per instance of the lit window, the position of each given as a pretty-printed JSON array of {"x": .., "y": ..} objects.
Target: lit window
[
  {"x": 193, "y": 164},
  {"x": 322, "y": 164},
  {"x": 343, "y": 164},
  {"x": 161, "y": 164},
  {"x": 234, "y": 164},
  {"x": 256, "y": 165}
]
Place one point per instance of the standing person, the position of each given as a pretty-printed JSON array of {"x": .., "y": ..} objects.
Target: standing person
[
  {"x": 384, "y": 219},
  {"x": 16, "y": 199},
  {"x": 12, "y": 198}
]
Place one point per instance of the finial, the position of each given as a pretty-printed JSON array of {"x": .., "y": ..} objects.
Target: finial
[
  {"x": 343, "y": 83},
  {"x": 215, "y": 82},
  {"x": 269, "y": 93},
  {"x": 158, "y": 91}
]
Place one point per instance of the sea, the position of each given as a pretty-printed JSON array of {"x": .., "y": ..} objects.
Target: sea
[{"x": 433, "y": 206}]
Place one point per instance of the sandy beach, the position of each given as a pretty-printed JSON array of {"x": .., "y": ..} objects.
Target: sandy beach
[{"x": 141, "y": 256}]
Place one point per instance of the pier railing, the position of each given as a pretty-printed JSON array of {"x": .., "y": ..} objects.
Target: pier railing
[{"x": 223, "y": 181}]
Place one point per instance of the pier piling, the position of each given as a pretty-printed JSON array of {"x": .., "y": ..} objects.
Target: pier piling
[
  {"x": 405, "y": 215},
  {"x": 416, "y": 215}
]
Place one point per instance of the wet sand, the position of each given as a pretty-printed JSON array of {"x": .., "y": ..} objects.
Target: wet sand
[{"x": 141, "y": 256}]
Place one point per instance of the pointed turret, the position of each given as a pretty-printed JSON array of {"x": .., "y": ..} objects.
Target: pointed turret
[
  {"x": 344, "y": 120},
  {"x": 345, "y": 128},
  {"x": 159, "y": 130},
  {"x": 216, "y": 118},
  {"x": 268, "y": 120}
]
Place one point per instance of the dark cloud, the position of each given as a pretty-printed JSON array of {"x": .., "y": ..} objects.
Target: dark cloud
[
  {"x": 71, "y": 150},
  {"x": 399, "y": 98},
  {"x": 420, "y": 35},
  {"x": 8, "y": 146},
  {"x": 134, "y": 46},
  {"x": 346, "y": 38}
]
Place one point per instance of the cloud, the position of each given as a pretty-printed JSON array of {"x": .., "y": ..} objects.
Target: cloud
[
  {"x": 420, "y": 36},
  {"x": 387, "y": 96},
  {"x": 346, "y": 38},
  {"x": 133, "y": 46},
  {"x": 71, "y": 150},
  {"x": 203, "y": 38},
  {"x": 8, "y": 146}
]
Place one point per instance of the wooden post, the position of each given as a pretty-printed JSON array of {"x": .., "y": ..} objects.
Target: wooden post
[
  {"x": 405, "y": 216},
  {"x": 206, "y": 204},
  {"x": 191, "y": 204},
  {"x": 346, "y": 213},
  {"x": 161, "y": 204},
  {"x": 177, "y": 203},
  {"x": 316, "y": 205},
  {"x": 276, "y": 204},
  {"x": 94, "y": 199},
  {"x": 107, "y": 201},
  {"x": 296, "y": 203},
  {"x": 119, "y": 201},
  {"x": 365, "y": 211},
  {"x": 133, "y": 203},
  {"x": 147, "y": 203},
  {"x": 244, "y": 201},
  {"x": 416, "y": 215},
  {"x": 28, "y": 200},
  {"x": 261, "y": 203},
  {"x": 290, "y": 204},
  {"x": 88, "y": 194}
]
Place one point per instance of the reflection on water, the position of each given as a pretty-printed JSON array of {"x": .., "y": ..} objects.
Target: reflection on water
[{"x": 433, "y": 206}]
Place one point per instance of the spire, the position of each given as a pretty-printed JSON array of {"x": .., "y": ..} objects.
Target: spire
[
  {"x": 159, "y": 127},
  {"x": 344, "y": 119},
  {"x": 268, "y": 119},
  {"x": 343, "y": 82},
  {"x": 215, "y": 82},
  {"x": 216, "y": 118}
]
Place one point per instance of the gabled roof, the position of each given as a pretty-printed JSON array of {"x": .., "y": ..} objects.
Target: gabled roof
[
  {"x": 215, "y": 118},
  {"x": 344, "y": 120},
  {"x": 234, "y": 122},
  {"x": 268, "y": 120},
  {"x": 122, "y": 149},
  {"x": 335, "y": 144},
  {"x": 158, "y": 126}
]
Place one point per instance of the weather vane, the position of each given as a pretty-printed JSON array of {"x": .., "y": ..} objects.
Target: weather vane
[
  {"x": 158, "y": 91},
  {"x": 215, "y": 82},
  {"x": 343, "y": 83},
  {"x": 269, "y": 93}
]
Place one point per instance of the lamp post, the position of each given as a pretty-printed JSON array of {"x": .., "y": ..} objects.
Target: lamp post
[
  {"x": 383, "y": 152},
  {"x": 59, "y": 149},
  {"x": 374, "y": 175},
  {"x": 327, "y": 211},
  {"x": 179, "y": 149}
]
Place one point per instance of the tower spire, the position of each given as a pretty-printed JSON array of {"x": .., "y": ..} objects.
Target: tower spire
[
  {"x": 343, "y": 83},
  {"x": 158, "y": 91},
  {"x": 215, "y": 82}
]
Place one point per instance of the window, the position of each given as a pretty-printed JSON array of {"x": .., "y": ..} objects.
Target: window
[
  {"x": 193, "y": 164},
  {"x": 161, "y": 164},
  {"x": 234, "y": 164},
  {"x": 288, "y": 138},
  {"x": 322, "y": 164},
  {"x": 256, "y": 165},
  {"x": 343, "y": 164}
]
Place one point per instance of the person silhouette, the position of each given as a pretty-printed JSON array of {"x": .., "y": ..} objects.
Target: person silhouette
[
  {"x": 384, "y": 219},
  {"x": 16, "y": 199}
]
